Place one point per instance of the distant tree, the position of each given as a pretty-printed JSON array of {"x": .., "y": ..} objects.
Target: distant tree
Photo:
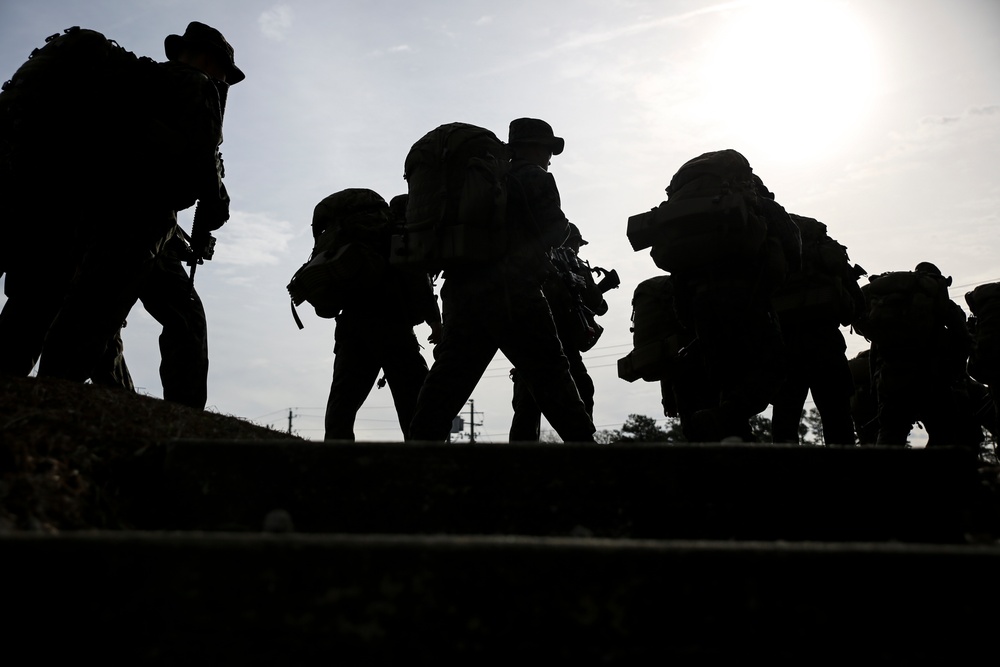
[
  {"x": 760, "y": 427},
  {"x": 811, "y": 428},
  {"x": 606, "y": 437},
  {"x": 640, "y": 428}
]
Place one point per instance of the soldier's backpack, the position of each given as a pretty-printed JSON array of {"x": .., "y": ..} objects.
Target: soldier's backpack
[
  {"x": 351, "y": 230},
  {"x": 711, "y": 215},
  {"x": 72, "y": 104},
  {"x": 818, "y": 291},
  {"x": 984, "y": 304},
  {"x": 657, "y": 334},
  {"x": 456, "y": 210},
  {"x": 903, "y": 308}
]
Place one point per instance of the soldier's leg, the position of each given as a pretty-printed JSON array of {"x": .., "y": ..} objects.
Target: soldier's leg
[
  {"x": 526, "y": 422},
  {"x": 895, "y": 420},
  {"x": 99, "y": 300},
  {"x": 460, "y": 359},
  {"x": 786, "y": 414},
  {"x": 35, "y": 293},
  {"x": 405, "y": 371},
  {"x": 949, "y": 416},
  {"x": 355, "y": 370},
  {"x": 111, "y": 369},
  {"x": 169, "y": 297},
  {"x": 832, "y": 388},
  {"x": 530, "y": 342},
  {"x": 581, "y": 377}
]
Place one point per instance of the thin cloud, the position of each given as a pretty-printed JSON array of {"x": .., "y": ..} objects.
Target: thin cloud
[
  {"x": 589, "y": 39},
  {"x": 930, "y": 136},
  {"x": 276, "y": 22},
  {"x": 483, "y": 20},
  {"x": 253, "y": 239}
]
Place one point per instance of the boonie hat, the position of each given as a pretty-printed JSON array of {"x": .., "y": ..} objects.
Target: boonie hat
[
  {"x": 201, "y": 35},
  {"x": 534, "y": 131}
]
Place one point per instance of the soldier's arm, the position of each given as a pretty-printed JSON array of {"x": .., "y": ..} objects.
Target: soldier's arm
[{"x": 544, "y": 205}]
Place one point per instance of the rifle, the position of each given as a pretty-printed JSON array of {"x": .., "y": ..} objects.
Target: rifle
[
  {"x": 201, "y": 245},
  {"x": 569, "y": 267},
  {"x": 610, "y": 280}
]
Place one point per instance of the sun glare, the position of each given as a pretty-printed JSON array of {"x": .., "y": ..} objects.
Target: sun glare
[{"x": 791, "y": 77}]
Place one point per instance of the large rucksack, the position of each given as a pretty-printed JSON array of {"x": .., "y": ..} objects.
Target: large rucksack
[
  {"x": 90, "y": 119},
  {"x": 657, "y": 334},
  {"x": 455, "y": 214},
  {"x": 903, "y": 308},
  {"x": 984, "y": 303},
  {"x": 70, "y": 108},
  {"x": 818, "y": 291},
  {"x": 711, "y": 215},
  {"x": 351, "y": 230}
]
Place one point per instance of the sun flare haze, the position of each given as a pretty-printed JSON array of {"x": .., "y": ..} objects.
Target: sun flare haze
[{"x": 795, "y": 77}]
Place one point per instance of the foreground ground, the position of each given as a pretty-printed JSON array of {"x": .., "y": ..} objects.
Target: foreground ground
[{"x": 59, "y": 439}]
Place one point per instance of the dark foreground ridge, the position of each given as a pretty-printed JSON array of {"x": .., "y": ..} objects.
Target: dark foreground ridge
[{"x": 252, "y": 549}]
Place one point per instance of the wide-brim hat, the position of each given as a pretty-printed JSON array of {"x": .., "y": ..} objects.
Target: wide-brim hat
[
  {"x": 200, "y": 35},
  {"x": 534, "y": 131},
  {"x": 574, "y": 233}
]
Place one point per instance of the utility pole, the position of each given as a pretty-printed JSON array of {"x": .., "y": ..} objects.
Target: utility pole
[
  {"x": 289, "y": 421},
  {"x": 472, "y": 421}
]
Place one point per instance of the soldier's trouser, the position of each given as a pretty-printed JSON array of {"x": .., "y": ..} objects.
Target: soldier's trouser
[
  {"x": 948, "y": 416},
  {"x": 168, "y": 296},
  {"x": 364, "y": 347},
  {"x": 475, "y": 327},
  {"x": 525, "y": 425},
  {"x": 111, "y": 369},
  {"x": 35, "y": 291},
  {"x": 741, "y": 343},
  {"x": 100, "y": 298},
  {"x": 824, "y": 370}
]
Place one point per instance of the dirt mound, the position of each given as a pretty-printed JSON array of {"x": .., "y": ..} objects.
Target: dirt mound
[{"x": 59, "y": 440}]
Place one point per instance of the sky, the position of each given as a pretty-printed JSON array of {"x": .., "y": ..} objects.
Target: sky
[{"x": 880, "y": 118}]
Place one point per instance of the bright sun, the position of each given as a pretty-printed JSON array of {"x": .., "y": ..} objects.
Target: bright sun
[{"x": 793, "y": 77}]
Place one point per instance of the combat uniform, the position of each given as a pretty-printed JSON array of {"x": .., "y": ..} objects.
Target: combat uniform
[
  {"x": 115, "y": 273},
  {"x": 924, "y": 378},
  {"x": 811, "y": 306},
  {"x": 571, "y": 323},
  {"x": 375, "y": 332},
  {"x": 739, "y": 343},
  {"x": 500, "y": 306}
]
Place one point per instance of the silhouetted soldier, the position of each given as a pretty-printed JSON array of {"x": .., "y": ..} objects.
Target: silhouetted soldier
[
  {"x": 811, "y": 305},
  {"x": 726, "y": 300},
  {"x": 984, "y": 363},
  {"x": 864, "y": 402},
  {"x": 500, "y": 306},
  {"x": 574, "y": 299},
  {"x": 168, "y": 295},
  {"x": 920, "y": 348},
  {"x": 375, "y": 327},
  {"x": 131, "y": 262}
]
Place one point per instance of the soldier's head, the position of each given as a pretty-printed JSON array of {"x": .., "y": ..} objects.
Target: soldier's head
[
  {"x": 397, "y": 208},
  {"x": 205, "y": 48},
  {"x": 532, "y": 140},
  {"x": 932, "y": 270},
  {"x": 575, "y": 239},
  {"x": 927, "y": 267}
]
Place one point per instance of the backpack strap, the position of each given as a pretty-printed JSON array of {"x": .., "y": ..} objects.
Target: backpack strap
[{"x": 295, "y": 316}]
